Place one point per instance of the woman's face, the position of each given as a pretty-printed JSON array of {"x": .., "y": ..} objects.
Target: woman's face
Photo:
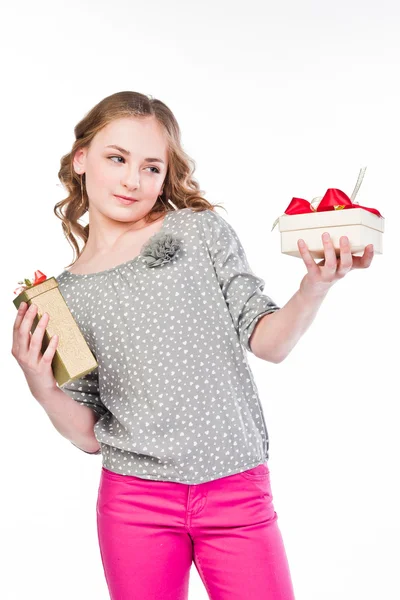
[{"x": 134, "y": 173}]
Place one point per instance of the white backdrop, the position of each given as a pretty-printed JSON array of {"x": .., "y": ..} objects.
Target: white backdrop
[{"x": 274, "y": 101}]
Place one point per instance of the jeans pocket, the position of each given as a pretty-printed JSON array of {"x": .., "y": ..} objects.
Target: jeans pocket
[{"x": 256, "y": 473}]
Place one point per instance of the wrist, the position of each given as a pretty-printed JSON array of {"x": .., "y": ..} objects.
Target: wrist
[
  {"x": 46, "y": 396},
  {"x": 315, "y": 294}
]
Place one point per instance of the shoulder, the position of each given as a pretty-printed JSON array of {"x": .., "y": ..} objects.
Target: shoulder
[
  {"x": 206, "y": 219},
  {"x": 218, "y": 231},
  {"x": 61, "y": 278},
  {"x": 205, "y": 214},
  {"x": 211, "y": 221},
  {"x": 212, "y": 227}
]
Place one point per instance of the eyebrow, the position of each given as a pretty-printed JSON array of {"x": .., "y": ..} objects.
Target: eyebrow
[{"x": 123, "y": 151}]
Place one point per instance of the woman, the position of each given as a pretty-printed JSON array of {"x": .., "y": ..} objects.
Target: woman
[{"x": 168, "y": 304}]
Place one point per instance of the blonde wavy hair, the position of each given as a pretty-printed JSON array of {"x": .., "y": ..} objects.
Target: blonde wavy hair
[{"x": 179, "y": 185}]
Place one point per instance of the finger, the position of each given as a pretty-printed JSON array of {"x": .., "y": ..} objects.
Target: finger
[
  {"x": 364, "y": 261},
  {"x": 36, "y": 342},
  {"x": 18, "y": 320},
  {"x": 312, "y": 268},
  {"x": 25, "y": 328},
  {"x": 48, "y": 354},
  {"x": 346, "y": 258},
  {"x": 330, "y": 253}
]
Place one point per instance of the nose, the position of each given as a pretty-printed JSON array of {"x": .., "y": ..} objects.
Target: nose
[{"x": 131, "y": 178}]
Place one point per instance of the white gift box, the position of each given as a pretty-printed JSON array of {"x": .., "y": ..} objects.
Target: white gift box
[{"x": 361, "y": 226}]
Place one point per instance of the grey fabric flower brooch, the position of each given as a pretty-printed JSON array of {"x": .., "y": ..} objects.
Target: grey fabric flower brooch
[{"x": 160, "y": 249}]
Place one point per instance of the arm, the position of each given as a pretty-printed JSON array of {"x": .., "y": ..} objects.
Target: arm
[
  {"x": 74, "y": 421},
  {"x": 276, "y": 334},
  {"x": 86, "y": 392},
  {"x": 242, "y": 290}
]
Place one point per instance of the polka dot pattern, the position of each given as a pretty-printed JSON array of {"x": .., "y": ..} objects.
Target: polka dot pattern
[{"x": 173, "y": 388}]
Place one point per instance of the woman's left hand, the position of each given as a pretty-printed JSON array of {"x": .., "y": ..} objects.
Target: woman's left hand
[{"x": 321, "y": 276}]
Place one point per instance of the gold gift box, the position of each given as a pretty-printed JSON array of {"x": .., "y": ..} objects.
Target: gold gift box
[{"x": 73, "y": 357}]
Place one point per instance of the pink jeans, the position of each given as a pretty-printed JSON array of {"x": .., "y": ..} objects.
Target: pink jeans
[{"x": 150, "y": 531}]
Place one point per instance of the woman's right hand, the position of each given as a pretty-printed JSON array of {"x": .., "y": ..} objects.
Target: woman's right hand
[{"x": 26, "y": 349}]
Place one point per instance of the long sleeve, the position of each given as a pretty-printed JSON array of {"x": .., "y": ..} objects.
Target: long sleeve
[
  {"x": 241, "y": 288},
  {"x": 85, "y": 391}
]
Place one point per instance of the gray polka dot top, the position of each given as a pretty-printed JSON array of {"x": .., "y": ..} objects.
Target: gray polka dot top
[{"x": 173, "y": 388}]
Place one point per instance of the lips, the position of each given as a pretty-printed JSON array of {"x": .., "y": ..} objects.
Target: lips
[{"x": 126, "y": 199}]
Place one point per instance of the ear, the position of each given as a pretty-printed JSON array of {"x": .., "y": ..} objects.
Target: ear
[{"x": 79, "y": 161}]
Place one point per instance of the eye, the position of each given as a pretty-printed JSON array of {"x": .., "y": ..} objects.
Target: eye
[{"x": 117, "y": 156}]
